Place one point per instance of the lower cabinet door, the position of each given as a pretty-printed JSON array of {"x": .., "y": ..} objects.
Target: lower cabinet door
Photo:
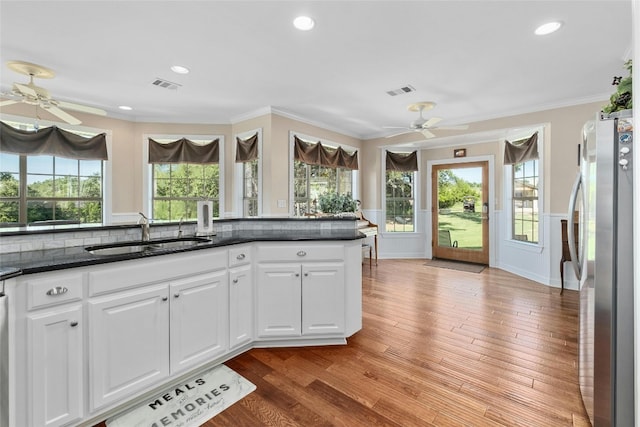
[
  {"x": 323, "y": 295},
  {"x": 278, "y": 299},
  {"x": 55, "y": 367},
  {"x": 199, "y": 319},
  {"x": 128, "y": 342},
  {"x": 240, "y": 306}
]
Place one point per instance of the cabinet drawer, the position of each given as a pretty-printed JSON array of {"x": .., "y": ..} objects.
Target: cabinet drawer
[
  {"x": 299, "y": 252},
  {"x": 54, "y": 289},
  {"x": 239, "y": 256}
]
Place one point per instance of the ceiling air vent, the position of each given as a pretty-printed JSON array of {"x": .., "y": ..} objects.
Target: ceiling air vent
[
  {"x": 404, "y": 89},
  {"x": 165, "y": 84}
]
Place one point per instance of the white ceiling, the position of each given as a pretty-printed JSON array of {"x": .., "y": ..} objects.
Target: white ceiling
[{"x": 476, "y": 59}]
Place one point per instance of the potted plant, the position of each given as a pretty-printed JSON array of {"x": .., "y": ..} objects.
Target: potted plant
[{"x": 332, "y": 203}]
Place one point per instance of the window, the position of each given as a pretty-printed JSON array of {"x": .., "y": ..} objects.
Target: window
[
  {"x": 250, "y": 188},
  {"x": 310, "y": 181},
  {"x": 525, "y": 201},
  {"x": 177, "y": 187},
  {"x": 248, "y": 173},
  {"x": 399, "y": 196},
  {"x": 45, "y": 188}
]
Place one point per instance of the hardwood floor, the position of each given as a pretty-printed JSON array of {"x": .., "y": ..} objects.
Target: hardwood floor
[{"x": 438, "y": 348}]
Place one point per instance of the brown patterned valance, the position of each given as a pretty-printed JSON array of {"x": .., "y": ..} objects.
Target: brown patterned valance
[
  {"x": 317, "y": 154},
  {"x": 520, "y": 153},
  {"x": 247, "y": 149},
  {"x": 402, "y": 162},
  {"x": 52, "y": 141},
  {"x": 184, "y": 151}
]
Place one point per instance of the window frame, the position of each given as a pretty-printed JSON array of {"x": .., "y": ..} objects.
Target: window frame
[
  {"x": 326, "y": 143},
  {"x": 147, "y": 168},
  {"x": 508, "y": 199},
  {"x": 383, "y": 190},
  {"x": 239, "y": 174},
  {"x": 28, "y": 123}
]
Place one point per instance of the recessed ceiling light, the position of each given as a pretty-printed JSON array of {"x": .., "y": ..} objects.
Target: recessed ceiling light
[
  {"x": 303, "y": 23},
  {"x": 125, "y": 107},
  {"x": 548, "y": 28},
  {"x": 180, "y": 69}
]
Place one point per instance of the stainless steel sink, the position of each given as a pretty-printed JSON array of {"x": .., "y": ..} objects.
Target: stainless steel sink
[{"x": 123, "y": 248}]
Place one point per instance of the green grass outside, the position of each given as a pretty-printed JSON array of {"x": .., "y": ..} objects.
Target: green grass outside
[{"x": 465, "y": 227}]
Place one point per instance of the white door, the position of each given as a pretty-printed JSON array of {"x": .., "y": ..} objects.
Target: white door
[
  {"x": 279, "y": 300},
  {"x": 128, "y": 343},
  {"x": 56, "y": 366},
  {"x": 323, "y": 296},
  {"x": 199, "y": 319},
  {"x": 240, "y": 306}
]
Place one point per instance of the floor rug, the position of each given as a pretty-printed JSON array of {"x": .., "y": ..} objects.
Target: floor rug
[
  {"x": 455, "y": 265},
  {"x": 188, "y": 404}
]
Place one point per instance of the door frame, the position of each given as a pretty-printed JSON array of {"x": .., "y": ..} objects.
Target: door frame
[{"x": 491, "y": 197}]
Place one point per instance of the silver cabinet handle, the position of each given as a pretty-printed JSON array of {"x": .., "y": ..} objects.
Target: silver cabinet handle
[
  {"x": 235, "y": 280},
  {"x": 58, "y": 290},
  {"x": 176, "y": 295},
  {"x": 164, "y": 298},
  {"x": 301, "y": 253},
  {"x": 73, "y": 324},
  {"x": 306, "y": 274},
  {"x": 297, "y": 274},
  {"x": 240, "y": 257}
]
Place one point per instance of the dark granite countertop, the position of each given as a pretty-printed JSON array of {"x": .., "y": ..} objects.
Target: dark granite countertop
[{"x": 63, "y": 258}]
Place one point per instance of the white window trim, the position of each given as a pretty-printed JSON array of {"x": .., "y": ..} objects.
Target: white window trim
[
  {"x": 383, "y": 191},
  {"x": 239, "y": 176},
  {"x": 514, "y": 135},
  {"x": 327, "y": 143},
  {"x": 147, "y": 190},
  {"x": 107, "y": 187}
]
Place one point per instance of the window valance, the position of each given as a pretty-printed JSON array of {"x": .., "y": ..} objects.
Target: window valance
[
  {"x": 52, "y": 141},
  {"x": 402, "y": 162},
  {"x": 247, "y": 149},
  {"x": 317, "y": 154},
  {"x": 184, "y": 151},
  {"x": 527, "y": 150}
]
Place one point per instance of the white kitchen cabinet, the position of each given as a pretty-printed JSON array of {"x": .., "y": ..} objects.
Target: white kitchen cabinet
[
  {"x": 300, "y": 298},
  {"x": 240, "y": 306},
  {"x": 279, "y": 303},
  {"x": 128, "y": 342},
  {"x": 198, "y": 326},
  {"x": 55, "y": 366}
]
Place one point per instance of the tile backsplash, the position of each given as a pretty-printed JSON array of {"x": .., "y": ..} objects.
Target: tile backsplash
[{"x": 24, "y": 242}]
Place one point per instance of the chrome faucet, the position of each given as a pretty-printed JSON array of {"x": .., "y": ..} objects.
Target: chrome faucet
[
  {"x": 144, "y": 224},
  {"x": 180, "y": 226}
]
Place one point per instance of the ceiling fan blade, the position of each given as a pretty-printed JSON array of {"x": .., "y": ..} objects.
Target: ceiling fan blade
[
  {"x": 400, "y": 133},
  {"x": 432, "y": 121},
  {"x": 63, "y": 115},
  {"x": 8, "y": 102},
  {"x": 427, "y": 134},
  {"x": 82, "y": 108},
  {"x": 26, "y": 90}
]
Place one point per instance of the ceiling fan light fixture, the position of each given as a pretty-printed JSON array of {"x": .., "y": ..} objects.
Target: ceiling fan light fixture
[
  {"x": 179, "y": 69},
  {"x": 304, "y": 23},
  {"x": 548, "y": 28}
]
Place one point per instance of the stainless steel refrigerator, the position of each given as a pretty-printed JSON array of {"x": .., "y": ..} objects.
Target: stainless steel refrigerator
[{"x": 603, "y": 263}]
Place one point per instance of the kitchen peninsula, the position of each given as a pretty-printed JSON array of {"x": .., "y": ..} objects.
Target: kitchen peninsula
[{"x": 87, "y": 336}]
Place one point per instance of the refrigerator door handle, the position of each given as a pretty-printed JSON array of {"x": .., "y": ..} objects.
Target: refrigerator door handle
[{"x": 577, "y": 263}]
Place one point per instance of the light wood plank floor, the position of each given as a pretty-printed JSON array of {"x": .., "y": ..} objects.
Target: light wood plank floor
[{"x": 438, "y": 348}]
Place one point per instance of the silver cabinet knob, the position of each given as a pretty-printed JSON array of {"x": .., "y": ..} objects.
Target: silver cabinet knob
[
  {"x": 164, "y": 298},
  {"x": 297, "y": 274},
  {"x": 301, "y": 253},
  {"x": 240, "y": 257},
  {"x": 73, "y": 324},
  {"x": 235, "y": 280},
  {"x": 58, "y": 290},
  {"x": 176, "y": 295},
  {"x": 306, "y": 274}
]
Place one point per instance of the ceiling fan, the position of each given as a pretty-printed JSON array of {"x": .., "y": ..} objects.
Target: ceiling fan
[
  {"x": 421, "y": 124},
  {"x": 31, "y": 94}
]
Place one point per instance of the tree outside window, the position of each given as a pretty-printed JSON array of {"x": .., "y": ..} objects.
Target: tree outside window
[
  {"x": 250, "y": 188},
  {"x": 525, "y": 201},
  {"x": 311, "y": 181},
  {"x": 399, "y": 201}
]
